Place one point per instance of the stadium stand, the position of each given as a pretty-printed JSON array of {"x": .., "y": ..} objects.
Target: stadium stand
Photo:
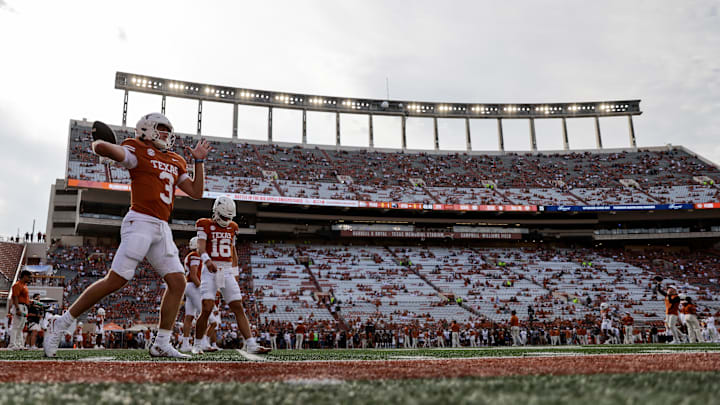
[
  {"x": 341, "y": 292},
  {"x": 11, "y": 254},
  {"x": 403, "y": 284},
  {"x": 661, "y": 175}
]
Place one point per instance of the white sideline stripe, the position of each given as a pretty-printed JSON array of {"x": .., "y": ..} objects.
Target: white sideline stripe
[
  {"x": 250, "y": 356},
  {"x": 96, "y": 359}
]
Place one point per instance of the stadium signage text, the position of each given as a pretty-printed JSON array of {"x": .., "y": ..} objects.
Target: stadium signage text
[
  {"x": 645, "y": 207},
  {"x": 430, "y": 235}
]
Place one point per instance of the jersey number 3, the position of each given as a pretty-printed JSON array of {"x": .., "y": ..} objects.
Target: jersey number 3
[{"x": 166, "y": 197}]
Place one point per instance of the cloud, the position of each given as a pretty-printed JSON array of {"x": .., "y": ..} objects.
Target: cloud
[
  {"x": 6, "y": 7},
  {"x": 27, "y": 185},
  {"x": 120, "y": 34}
]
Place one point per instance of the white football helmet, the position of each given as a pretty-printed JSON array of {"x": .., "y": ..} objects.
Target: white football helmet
[
  {"x": 604, "y": 305},
  {"x": 146, "y": 129},
  {"x": 193, "y": 243},
  {"x": 101, "y": 312},
  {"x": 223, "y": 211}
]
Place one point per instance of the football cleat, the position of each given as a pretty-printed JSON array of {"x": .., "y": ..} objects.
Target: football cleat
[
  {"x": 157, "y": 350},
  {"x": 52, "y": 338},
  {"x": 257, "y": 349}
]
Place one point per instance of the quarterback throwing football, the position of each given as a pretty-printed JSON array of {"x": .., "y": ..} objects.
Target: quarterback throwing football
[{"x": 155, "y": 171}]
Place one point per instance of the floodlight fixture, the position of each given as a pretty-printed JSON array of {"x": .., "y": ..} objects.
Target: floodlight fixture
[{"x": 313, "y": 102}]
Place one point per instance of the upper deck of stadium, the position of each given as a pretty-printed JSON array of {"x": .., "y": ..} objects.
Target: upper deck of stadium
[{"x": 655, "y": 175}]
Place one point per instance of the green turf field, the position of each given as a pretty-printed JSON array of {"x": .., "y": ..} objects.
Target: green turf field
[
  {"x": 372, "y": 354},
  {"x": 640, "y": 388},
  {"x": 651, "y": 388}
]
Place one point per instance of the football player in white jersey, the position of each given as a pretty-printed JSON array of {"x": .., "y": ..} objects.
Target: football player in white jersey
[{"x": 193, "y": 305}]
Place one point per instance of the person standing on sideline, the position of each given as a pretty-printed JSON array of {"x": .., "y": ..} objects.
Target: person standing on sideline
[
  {"x": 35, "y": 314},
  {"x": 628, "y": 323},
  {"x": 672, "y": 308},
  {"x": 155, "y": 172},
  {"x": 193, "y": 300},
  {"x": 300, "y": 335},
  {"x": 455, "y": 328},
  {"x": 19, "y": 302},
  {"x": 515, "y": 328},
  {"x": 691, "y": 321}
]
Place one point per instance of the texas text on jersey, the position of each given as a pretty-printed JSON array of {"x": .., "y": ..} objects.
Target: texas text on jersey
[
  {"x": 154, "y": 178},
  {"x": 220, "y": 241},
  {"x": 193, "y": 259}
]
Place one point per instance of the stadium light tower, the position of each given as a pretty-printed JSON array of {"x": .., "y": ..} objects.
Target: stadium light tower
[{"x": 204, "y": 92}]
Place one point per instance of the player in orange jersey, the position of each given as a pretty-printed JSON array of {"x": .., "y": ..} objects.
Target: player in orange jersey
[
  {"x": 155, "y": 171},
  {"x": 691, "y": 321},
  {"x": 193, "y": 304},
  {"x": 628, "y": 323},
  {"x": 216, "y": 246},
  {"x": 19, "y": 299},
  {"x": 672, "y": 311},
  {"x": 515, "y": 328}
]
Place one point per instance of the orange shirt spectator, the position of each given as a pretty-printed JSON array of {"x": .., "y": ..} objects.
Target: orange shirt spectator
[
  {"x": 20, "y": 290},
  {"x": 628, "y": 320},
  {"x": 514, "y": 321}
]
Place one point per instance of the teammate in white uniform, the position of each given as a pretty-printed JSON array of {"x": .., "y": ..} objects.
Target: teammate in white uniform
[
  {"x": 213, "y": 323},
  {"x": 216, "y": 246},
  {"x": 155, "y": 172},
  {"x": 712, "y": 332},
  {"x": 193, "y": 304},
  {"x": 99, "y": 328},
  {"x": 79, "y": 340},
  {"x": 606, "y": 323}
]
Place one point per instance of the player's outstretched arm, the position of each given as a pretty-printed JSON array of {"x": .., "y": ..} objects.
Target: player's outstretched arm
[
  {"x": 108, "y": 150},
  {"x": 194, "y": 188}
]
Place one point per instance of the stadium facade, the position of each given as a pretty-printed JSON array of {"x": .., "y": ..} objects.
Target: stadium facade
[{"x": 386, "y": 199}]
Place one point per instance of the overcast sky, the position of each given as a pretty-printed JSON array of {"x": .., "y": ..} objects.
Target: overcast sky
[{"x": 59, "y": 58}]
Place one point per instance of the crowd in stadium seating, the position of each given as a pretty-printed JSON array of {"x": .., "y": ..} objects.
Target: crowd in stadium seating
[
  {"x": 375, "y": 296},
  {"x": 663, "y": 176},
  {"x": 698, "y": 272}
]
